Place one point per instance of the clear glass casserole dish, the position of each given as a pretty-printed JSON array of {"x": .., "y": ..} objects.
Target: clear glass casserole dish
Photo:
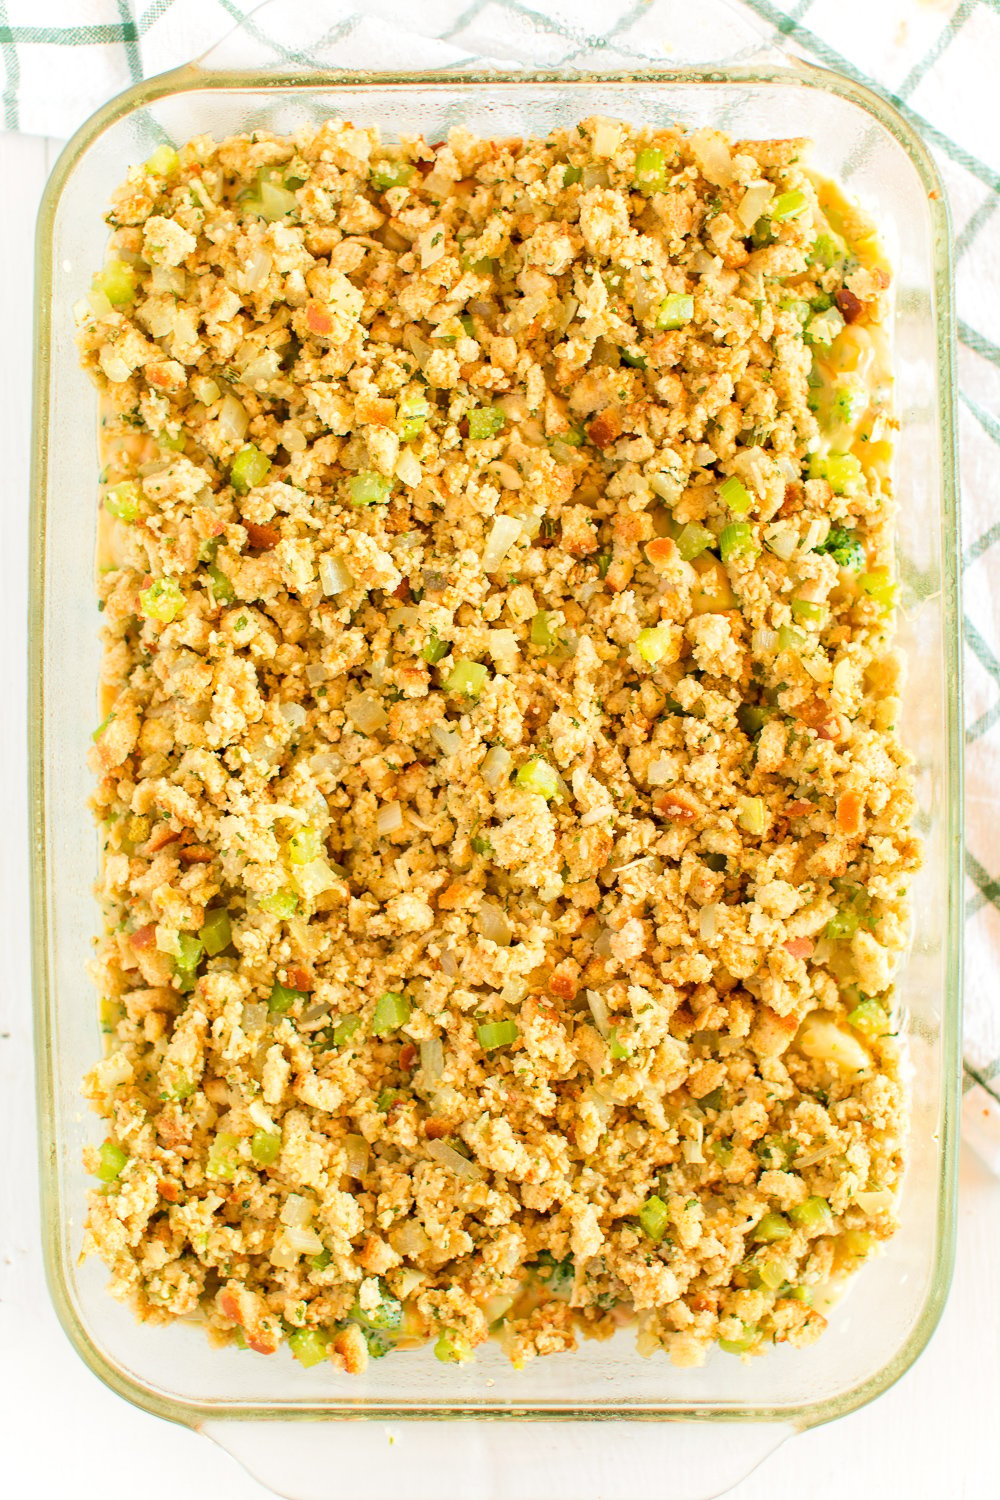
[{"x": 879, "y": 1329}]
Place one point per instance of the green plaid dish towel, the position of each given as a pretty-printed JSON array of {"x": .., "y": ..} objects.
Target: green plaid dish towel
[{"x": 936, "y": 60}]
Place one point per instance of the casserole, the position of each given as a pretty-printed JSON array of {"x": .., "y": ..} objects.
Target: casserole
[{"x": 881, "y": 1326}]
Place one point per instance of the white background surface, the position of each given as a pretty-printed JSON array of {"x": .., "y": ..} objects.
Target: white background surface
[{"x": 935, "y": 1436}]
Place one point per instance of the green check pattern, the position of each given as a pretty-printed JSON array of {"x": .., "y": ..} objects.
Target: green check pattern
[{"x": 935, "y": 59}]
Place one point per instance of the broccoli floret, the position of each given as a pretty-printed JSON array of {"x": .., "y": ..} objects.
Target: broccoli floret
[{"x": 845, "y": 549}]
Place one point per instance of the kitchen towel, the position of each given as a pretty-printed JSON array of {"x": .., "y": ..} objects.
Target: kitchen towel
[{"x": 935, "y": 59}]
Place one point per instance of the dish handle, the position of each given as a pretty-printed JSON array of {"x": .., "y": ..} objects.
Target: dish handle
[
  {"x": 497, "y": 1460},
  {"x": 285, "y": 36}
]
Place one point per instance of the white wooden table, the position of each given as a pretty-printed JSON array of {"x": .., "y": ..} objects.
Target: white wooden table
[{"x": 936, "y": 1434}]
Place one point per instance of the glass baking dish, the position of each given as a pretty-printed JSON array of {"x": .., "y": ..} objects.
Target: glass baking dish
[{"x": 884, "y": 1322}]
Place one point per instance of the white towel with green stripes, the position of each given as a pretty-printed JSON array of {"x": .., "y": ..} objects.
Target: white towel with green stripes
[{"x": 937, "y": 61}]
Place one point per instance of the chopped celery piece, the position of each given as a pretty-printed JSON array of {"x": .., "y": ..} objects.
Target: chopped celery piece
[
  {"x": 813, "y": 1215},
  {"x": 118, "y": 282},
  {"x": 634, "y": 361},
  {"x": 188, "y": 955},
  {"x": 654, "y": 1217},
  {"x": 164, "y": 162},
  {"x": 304, "y": 846},
  {"x": 845, "y": 549},
  {"x": 466, "y": 677},
  {"x": 857, "y": 1241},
  {"x": 452, "y": 1348},
  {"x": 386, "y": 1100},
  {"x": 827, "y": 250},
  {"x": 603, "y": 560},
  {"x": 843, "y": 924},
  {"x": 345, "y": 1029},
  {"x": 788, "y": 206},
  {"x": 722, "y": 1150},
  {"x": 162, "y": 601},
  {"x": 693, "y": 539},
  {"x": 282, "y": 904},
  {"x": 676, "y": 309},
  {"x": 800, "y": 1294},
  {"x": 575, "y": 437},
  {"x": 468, "y": 323},
  {"x": 541, "y": 633},
  {"x": 880, "y": 588},
  {"x": 485, "y": 265},
  {"x": 223, "y": 1156},
  {"x": 411, "y": 417},
  {"x": 791, "y": 638},
  {"x": 216, "y": 933},
  {"x": 282, "y": 998},
  {"x": 743, "y": 1344},
  {"x": 654, "y": 643},
  {"x": 737, "y": 540},
  {"x": 482, "y": 846},
  {"x": 369, "y": 488},
  {"x": 321, "y": 1260},
  {"x": 265, "y": 1146},
  {"x": 249, "y": 468},
  {"x": 122, "y": 501},
  {"x": 173, "y": 443},
  {"x": 770, "y": 1228},
  {"x": 712, "y": 1100},
  {"x": 571, "y": 175},
  {"x": 751, "y": 718},
  {"x": 650, "y": 170},
  {"x": 269, "y": 198},
  {"x": 485, "y": 422},
  {"x": 870, "y": 1018},
  {"x": 102, "y": 726},
  {"x": 494, "y": 1034},
  {"x": 751, "y": 815},
  {"x": 823, "y": 327},
  {"x": 617, "y": 1048},
  {"x": 808, "y": 609},
  {"x": 435, "y": 649},
  {"x": 309, "y": 1346},
  {"x": 733, "y": 494},
  {"x": 842, "y": 471},
  {"x": 770, "y": 1274},
  {"x": 392, "y": 1011},
  {"x": 536, "y": 775},
  {"x": 112, "y": 1161},
  {"x": 391, "y": 174},
  {"x": 222, "y": 588}
]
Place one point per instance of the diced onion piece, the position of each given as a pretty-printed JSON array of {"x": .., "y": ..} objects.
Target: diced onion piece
[
  {"x": 297, "y": 1210},
  {"x": 595, "y": 176},
  {"x": 503, "y": 534},
  {"x": 408, "y": 468},
  {"x": 493, "y": 924},
  {"x": 302, "y": 1242},
  {"x": 455, "y": 1161},
  {"x": 431, "y": 245},
  {"x": 821, "y": 1038},
  {"x": 356, "y": 1155},
  {"x": 874, "y": 1202},
  {"x": 293, "y": 714},
  {"x": 449, "y": 963},
  {"x": 763, "y": 642},
  {"x": 711, "y": 152},
  {"x": 314, "y": 878},
  {"x": 753, "y": 203},
  {"x": 316, "y": 673},
  {"x": 507, "y": 476},
  {"x": 596, "y": 815},
  {"x": 708, "y": 921},
  {"x": 448, "y": 739},
  {"x": 410, "y": 1239},
  {"x": 233, "y": 419},
  {"x": 327, "y": 762},
  {"x": 496, "y": 766},
  {"x": 599, "y": 1011},
  {"x": 432, "y": 1059},
  {"x": 253, "y": 1017},
  {"x": 257, "y": 270},
  {"x": 514, "y": 990},
  {"x": 367, "y": 713},
  {"x": 389, "y": 818},
  {"x": 333, "y": 574}
]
